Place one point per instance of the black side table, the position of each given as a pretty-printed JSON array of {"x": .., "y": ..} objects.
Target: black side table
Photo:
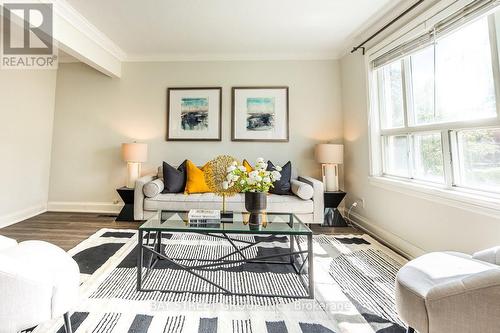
[
  {"x": 127, "y": 212},
  {"x": 333, "y": 218}
]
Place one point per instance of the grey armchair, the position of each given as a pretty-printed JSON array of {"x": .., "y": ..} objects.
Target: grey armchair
[{"x": 450, "y": 292}]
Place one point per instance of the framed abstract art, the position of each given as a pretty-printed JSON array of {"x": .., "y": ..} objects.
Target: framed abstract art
[
  {"x": 260, "y": 114},
  {"x": 194, "y": 114}
]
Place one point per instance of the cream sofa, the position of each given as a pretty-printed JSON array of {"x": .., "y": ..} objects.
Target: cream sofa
[{"x": 148, "y": 199}]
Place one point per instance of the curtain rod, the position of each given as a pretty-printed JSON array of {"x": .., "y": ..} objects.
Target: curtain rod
[{"x": 397, "y": 18}]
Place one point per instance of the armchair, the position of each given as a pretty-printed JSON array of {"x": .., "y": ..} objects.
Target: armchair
[
  {"x": 38, "y": 282},
  {"x": 450, "y": 292}
]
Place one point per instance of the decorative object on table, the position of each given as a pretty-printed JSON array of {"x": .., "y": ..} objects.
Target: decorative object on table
[
  {"x": 333, "y": 218},
  {"x": 282, "y": 186},
  {"x": 330, "y": 156},
  {"x": 260, "y": 114},
  {"x": 194, "y": 114},
  {"x": 134, "y": 154},
  {"x": 255, "y": 184},
  {"x": 174, "y": 179},
  {"x": 127, "y": 212},
  {"x": 216, "y": 179},
  {"x": 204, "y": 218}
]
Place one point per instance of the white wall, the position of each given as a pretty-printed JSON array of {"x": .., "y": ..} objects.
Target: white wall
[
  {"x": 26, "y": 119},
  {"x": 95, "y": 114},
  {"x": 413, "y": 224}
]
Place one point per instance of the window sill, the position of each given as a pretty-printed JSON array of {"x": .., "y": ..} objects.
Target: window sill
[{"x": 472, "y": 202}]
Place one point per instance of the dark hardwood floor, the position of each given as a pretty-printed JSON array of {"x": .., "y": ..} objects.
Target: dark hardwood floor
[{"x": 69, "y": 229}]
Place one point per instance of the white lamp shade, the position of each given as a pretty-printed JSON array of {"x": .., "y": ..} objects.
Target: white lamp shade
[
  {"x": 135, "y": 152},
  {"x": 328, "y": 153}
]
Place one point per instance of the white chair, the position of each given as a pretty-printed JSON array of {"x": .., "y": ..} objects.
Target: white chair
[
  {"x": 450, "y": 292},
  {"x": 38, "y": 282}
]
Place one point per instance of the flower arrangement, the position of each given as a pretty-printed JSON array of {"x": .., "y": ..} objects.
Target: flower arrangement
[{"x": 257, "y": 180}]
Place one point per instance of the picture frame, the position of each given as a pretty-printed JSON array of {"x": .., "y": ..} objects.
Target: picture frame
[
  {"x": 194, "y": 114},
  {"x": 260, "y": 114}
]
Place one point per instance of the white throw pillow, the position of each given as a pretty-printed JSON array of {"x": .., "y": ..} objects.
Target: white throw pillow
[
  {"x": 302, "y": 190},
  {"x": 153, "y": 188}
]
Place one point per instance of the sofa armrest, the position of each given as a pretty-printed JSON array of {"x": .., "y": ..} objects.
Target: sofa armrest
[
  {"x": 490, "y": 255},
  {"x": 139, "y": 195},
  {"x": 318, "y": 197}
]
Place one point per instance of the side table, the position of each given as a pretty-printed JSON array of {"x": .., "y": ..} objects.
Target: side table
[
  {"x": 333, "y": 218},
  {"x": 127, "y": 212}
]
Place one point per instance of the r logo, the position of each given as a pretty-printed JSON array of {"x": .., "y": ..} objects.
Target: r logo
[{"x": 36, "y": 20}]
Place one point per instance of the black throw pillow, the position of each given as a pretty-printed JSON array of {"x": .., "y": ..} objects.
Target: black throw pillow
[
  {"x": 282, "y": 186},
  {"x": 174, "y": 179}
]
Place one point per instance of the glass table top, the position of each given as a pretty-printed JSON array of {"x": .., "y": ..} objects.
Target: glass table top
[{"x": 274, "y": 223}]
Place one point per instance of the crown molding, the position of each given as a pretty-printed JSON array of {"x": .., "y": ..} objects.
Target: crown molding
[
  {"x": 171, "y": 57},
  {"x": 71, "y": 15}
]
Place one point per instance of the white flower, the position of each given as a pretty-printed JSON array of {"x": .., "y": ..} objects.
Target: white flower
[
  {"x": 278, "y": 168},
  {"x": 261, "y": 166},
  {"x": 225, "y": 185},
  {"x": 276, "y": 175},
  {"x": 229, "y": 177},
  {"x": 242, "y": 168},
  {"x": 242, "y": 182},
  {"x": 267, "y": 180},
  {"x": 253, "y": 174},
  {"x": 234, "y": 163},
  {"x": 235, "y": 178},
  {"x": 260, "y": 160},
  {"x": 251, "y": 181},
  {"x": 231, "y": 168}
]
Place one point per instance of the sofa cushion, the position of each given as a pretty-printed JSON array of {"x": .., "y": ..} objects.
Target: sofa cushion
[
  {"x": 283, "y": 185},
  {"x": 195, "y": 182},
  {"x": 275, "y": 203},
  {"x": 174, "y": 179},
  {"x": 153, "y": 188},
  {"x": 302, "y": 190}
]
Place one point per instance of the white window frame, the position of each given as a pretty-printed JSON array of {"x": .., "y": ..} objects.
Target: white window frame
[{"x": 448, "y": 193}]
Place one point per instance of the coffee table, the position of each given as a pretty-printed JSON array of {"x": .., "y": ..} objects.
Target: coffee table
[{"x": 275, "y": 224}]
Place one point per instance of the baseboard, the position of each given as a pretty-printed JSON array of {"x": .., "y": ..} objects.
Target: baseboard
[
  {"x": 403, "y": 247},
  {"x": 21, "y": 215},
  {"x": 84, "y": 207}
]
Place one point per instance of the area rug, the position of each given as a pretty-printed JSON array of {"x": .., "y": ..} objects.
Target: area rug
[{"x": 354, "y": 283}]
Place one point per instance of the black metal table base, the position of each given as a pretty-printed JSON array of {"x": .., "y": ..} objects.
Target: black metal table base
[{"x": 306, "y": 257}]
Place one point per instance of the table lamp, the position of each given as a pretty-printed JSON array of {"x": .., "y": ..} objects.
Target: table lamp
[
  {"x": 134, "y": 154},
  {"x": 330, "y": 156}
]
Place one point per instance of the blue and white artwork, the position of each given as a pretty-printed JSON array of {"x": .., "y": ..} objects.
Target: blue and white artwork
[
  {"x": 194, "y": 114},
  {"x": 261, "y": 113}
]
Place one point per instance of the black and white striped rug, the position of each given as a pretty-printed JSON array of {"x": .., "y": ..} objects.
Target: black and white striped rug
[{"x": 354, "y": 279}]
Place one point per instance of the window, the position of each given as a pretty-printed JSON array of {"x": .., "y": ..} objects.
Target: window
[{"x": 438, "y": 108}]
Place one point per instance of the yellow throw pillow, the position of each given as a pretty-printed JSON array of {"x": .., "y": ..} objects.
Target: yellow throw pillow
[
  {"x": 195, "y": 182},
  {"x": 247, "y": 166}
]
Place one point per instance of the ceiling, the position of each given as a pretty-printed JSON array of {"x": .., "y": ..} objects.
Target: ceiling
[{"x": 230, "y": 29}]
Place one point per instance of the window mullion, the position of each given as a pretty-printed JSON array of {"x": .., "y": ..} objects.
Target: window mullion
[
  {"x": 495, "y": 60},
  {"x": 447, "y": 158}
]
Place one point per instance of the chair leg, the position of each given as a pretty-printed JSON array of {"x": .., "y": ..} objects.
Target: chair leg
[
  {"x": 410, "y": 330},
  {"x": 67, "y": 323}
]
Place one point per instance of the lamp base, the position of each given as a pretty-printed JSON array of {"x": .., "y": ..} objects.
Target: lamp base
[
  {"x": 133, "y": 173},
  {"x": 330, "y": 177}
]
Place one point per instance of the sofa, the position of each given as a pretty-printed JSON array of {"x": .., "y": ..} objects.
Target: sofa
[{"x": 305, "y": 199}]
